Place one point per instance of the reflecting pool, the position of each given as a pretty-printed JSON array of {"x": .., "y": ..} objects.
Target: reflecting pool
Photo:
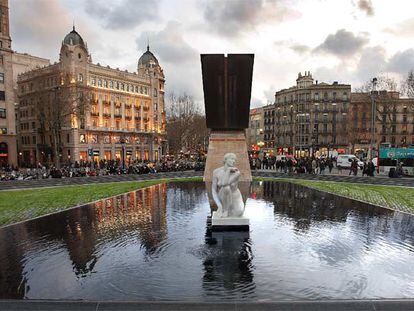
[{"x": 154, "y": 244}]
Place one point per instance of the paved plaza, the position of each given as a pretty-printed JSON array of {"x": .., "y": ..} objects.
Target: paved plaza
[{"x": 51, "y": 182}]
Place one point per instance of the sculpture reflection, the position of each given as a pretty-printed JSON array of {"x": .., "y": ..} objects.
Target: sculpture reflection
[{"x": 228, "y": 267}]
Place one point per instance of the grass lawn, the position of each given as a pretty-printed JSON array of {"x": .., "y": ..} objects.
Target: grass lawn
[
  {"x": 393, "y": 197},
  {"x": 18, "y": 205}
]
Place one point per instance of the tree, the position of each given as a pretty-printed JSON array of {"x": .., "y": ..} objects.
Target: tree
[
  {"x": 186, "y": 125},
  {"x": 408, "y": 85},
  {"x": 61, "y": 109}
]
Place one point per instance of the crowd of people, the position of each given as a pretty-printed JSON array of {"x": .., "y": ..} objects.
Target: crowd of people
[
  {"x": 310, "y": 165},
  {"x": 103, "y": 167}
]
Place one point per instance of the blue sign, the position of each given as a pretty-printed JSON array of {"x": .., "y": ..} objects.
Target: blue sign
[
  {"x": 90, "y": 152},
  {"x": 397, "y": 153}
]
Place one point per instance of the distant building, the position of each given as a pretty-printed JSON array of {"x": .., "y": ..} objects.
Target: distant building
[
  {"x": 11, "y": 64},
  {"x": 311, "y": 117},
  {"x": 394, "y": 121},
  {"x": 108, "y": 113},
  {"x": 269, "y": 129},
  {"x": 254, "y": 133}
]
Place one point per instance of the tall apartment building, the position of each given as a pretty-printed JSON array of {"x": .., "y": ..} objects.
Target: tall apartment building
[
  {"x": 77, "y": 110},
  {"x": 11, "y": 64},
  {"x": 311, "y": 117},
  {"x": 254, "y": 134},
  {"x": 269, "y": 128},
  {"x": 394, "y": 120}
]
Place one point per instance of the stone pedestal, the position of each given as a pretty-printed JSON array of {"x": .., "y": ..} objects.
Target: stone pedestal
[
  {"x": 222, "y": 142},
  {"x": 229, "y": 223}
]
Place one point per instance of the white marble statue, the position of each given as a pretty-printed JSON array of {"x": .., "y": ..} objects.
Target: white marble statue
[{"x": 226, "y": 193}]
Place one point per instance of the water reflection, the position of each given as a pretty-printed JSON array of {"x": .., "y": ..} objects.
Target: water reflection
[
  {"x": 228, "y": 266},
  {"x": 152, "y": 245}
]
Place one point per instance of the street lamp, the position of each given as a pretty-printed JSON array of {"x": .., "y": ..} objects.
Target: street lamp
[
  {"x": 373, "y": 110},
  {"x": 122, "y": 141}
]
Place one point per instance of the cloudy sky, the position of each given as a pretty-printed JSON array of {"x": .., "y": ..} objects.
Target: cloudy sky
[{"x": 349, "y": 41}]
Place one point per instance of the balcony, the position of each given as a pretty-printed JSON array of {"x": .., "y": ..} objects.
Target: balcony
[
  {"x": 106, "y": 103},
  {"x": 138, "y": 118},
  {"x": 118, "y": 115},
  {"x": 128, "y": 106},
  {"x": 145, "y": 108},
  {"x": 94, "y": 114},
  {"x": 128, "y": 117},
  {"x": 106, "y": 115}
]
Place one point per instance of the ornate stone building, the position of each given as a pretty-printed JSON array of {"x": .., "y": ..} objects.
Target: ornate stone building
[
  {"x": 11, "y": 64},
  {"x": 311, "y": 117},
  {"x": 394, "y": 121},
  {"x": 254, "y": 133},
  {"x": 77, "y": 110}
]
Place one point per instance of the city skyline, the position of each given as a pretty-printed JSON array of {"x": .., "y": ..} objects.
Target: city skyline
[{"x": 350, "y": 41}]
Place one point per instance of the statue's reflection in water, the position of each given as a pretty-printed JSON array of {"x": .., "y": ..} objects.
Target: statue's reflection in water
[{"x": 228, "y": 265}]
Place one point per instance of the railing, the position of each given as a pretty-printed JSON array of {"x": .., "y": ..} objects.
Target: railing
[{"x": 106, "y": 115}]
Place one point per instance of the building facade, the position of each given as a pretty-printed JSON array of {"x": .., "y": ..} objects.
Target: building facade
[
  {"x": 254, "y": 134},
  {"x": 269, "y": 129},
  {"x": 11, "y": 64},
  {"x": 394, "y": 121},
  {"x": 311, "y": 118},
  {"x": 75, "y": 110}
]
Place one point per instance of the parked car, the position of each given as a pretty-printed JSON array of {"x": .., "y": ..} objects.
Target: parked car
[{"x": 345, "y": 160}]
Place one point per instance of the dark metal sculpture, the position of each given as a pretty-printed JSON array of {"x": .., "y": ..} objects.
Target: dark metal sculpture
[{"x": 227, "y": 84}]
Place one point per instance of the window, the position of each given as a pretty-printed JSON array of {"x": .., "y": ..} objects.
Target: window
[
  {"x": 334, "y": 95},
  {"x": 82, "y": 138},
  {"x": 1, "y": 60},
  {"x": 2, "y": 113},
  {"x": 2, "y": 95},
  {"x": 105, "y": 83},
  {"x": 325, "y": 96},
  {"x": 79, "y": 55},
  {"x": 111, "y": 84},
  {"x": 80, "y": 77},
  {"x": 1, "y": 77},
  {"x": 99, "y": 82},
  {"x": 93, "y": 81},
  {"x": 316, "y": 96},
  {"x": 34, "y": 140},
  {"x": 3, "y": 130}
]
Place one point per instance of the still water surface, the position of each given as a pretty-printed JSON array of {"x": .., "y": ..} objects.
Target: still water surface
[{"x": 153, "y": 244}]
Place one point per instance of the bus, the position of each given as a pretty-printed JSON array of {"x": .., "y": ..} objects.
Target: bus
[{"x": 390, "y": 157}]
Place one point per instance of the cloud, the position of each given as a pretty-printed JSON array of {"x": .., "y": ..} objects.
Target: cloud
[
  {"x": 342, "y": 43},
  {"x": 122, "y": 14},
  {"x": 300, "y": 48},
  {"x": 169, "y": 44},
  {"x": 372, "y": 61},
  {"x": 401, "y": 62},
  {"x": 180, "y": 61},
  {"x": 231, "y": 18},
  {"x": 403, "y": 29},
  {"x": 366, "y": 6},
  {"x": 31, "y": 27}
]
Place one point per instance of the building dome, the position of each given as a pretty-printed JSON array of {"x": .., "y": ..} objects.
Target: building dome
[
  {"x": 147, "y": 59},
  {"x": 73, "y": 38}
]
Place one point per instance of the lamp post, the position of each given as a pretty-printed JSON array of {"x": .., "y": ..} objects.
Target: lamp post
[
  {"x": 122, "y": 141},
  {"x": 373, "y": 110}
]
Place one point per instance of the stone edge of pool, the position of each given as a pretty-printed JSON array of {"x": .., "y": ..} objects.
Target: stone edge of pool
[{"x": 337, "y": 305}]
